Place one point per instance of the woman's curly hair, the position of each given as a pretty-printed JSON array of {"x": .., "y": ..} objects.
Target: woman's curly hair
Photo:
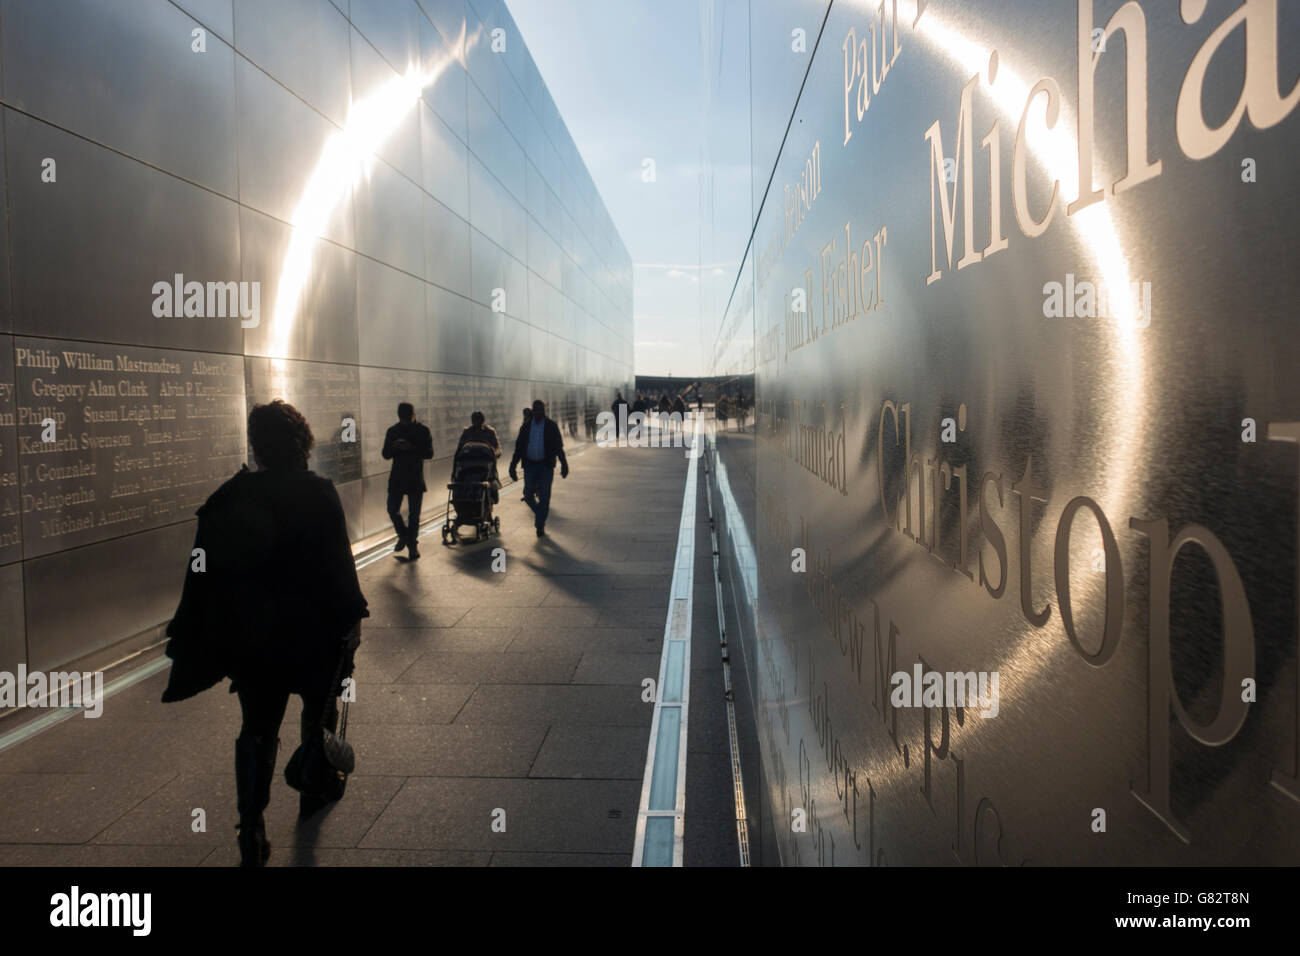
[{"x": 280, "y": 436}]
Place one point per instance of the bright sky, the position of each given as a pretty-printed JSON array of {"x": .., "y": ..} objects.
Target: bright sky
[{"x": 625, "y": 75}]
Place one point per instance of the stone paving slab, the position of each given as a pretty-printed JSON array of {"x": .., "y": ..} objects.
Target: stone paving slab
[{"x": 574, "y": 816}]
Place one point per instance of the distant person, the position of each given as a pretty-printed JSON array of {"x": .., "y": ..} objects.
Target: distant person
[
  {"x": 278, "y": 608},
  {"x": 699, "y": 402},
  {"x": 679, "y": 409},
  {"x": 528, "y": 414},
  {"x": 620, "y": 414},
  {"x": 538, "y": 445},
  {"x": 409, "y": 444},
  {"x": 639, "y": 404},
  {"x": 665, "y": 409},
  {"x": 480, "y": 430}
]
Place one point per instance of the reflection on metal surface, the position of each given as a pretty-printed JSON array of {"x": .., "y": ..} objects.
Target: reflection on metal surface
[
  {"x": 345, "y": 158},
  {"x": 1003, "y": 427}
]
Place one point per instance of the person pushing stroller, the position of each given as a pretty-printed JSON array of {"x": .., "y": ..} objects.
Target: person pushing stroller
[{"x": 474, "y": 486}]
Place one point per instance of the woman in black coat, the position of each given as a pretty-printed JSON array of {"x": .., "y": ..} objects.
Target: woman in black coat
[{"x": 270, "y": 600}]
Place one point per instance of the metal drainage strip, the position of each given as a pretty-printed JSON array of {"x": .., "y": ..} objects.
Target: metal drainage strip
[{"x": 661, "y": 819}]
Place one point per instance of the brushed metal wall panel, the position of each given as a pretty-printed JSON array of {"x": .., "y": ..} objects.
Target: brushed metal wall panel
[
  {"x": 767, "y": 92},
  {"x": 451, "y": 402},
  {"x": 494, "y": 145},
  {"x": 374, "y": 504},
  {"x": 141, "y": 437},
  {"x": 446, "y": 164},
  {"x": 1134, "y": 418},
  {"x": 87, "y": 250},
  {"x": 487, "y": 330},
  {"x": 446, "y": 247},
  {"x": 351, "y": 496},
  {"x": 516, "y": 356},
  {"x": 481, "y": 63},
  {"x": 382, "y": 99},
  {"x": 449, "y": 18},
  {"x": 13, "y": 625},
  {"x": 450, "y": 334},
  {"x": 122, "y": 587},
  {"x": 542, "y": 302},
  {"x": 495, "y": 213},
  {"x": 393, "y": 26},
  {"x": 502, "y": 401},
  {"x": 326, "y": 395},
  {"x": 390, "y": 316},
  {"x": 535, "y": 189},
  {"x": 390, "y": 220},
  {"x": 520, "y": 120},
  {"x": 303, "y": 44},
  {"x": 444, "y": 92},
  {"x": 11, "y": 534},
  {"x": 215, "y": 15},
  {"x": 309, "y": 292},
  {"x": 495, "y": 270},
  {"x": 284, "y": 145},
  {"x": 543, "y": 350},
  {"x": 6, "y": 305},
  {"x": 127, "y": 78},
  {"x": 514, "y": 238}
]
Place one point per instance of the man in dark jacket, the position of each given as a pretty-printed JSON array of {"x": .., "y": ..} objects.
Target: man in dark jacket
[
  {"x": 538, "y": 445},
  {"x": 409, "y": 444},
  {"x": 619, "y": 408}
]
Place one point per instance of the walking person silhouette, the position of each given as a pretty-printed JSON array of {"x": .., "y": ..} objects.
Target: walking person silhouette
[
  {"x": 275, "y": 606},
  {"x": 538, "y": 444},
  {"x": 409, "y": 444}
]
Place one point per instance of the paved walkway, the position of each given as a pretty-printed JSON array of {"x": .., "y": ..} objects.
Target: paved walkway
[{"x": 477, "y": 692}]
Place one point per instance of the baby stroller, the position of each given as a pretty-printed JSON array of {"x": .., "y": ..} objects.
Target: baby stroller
[{"x": 472, "y": 490}]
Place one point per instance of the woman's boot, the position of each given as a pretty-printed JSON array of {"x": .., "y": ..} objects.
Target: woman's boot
[{"x": 254, "y": 768}]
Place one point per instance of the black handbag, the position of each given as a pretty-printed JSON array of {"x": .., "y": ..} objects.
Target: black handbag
[{"x": 321, "y": 765}]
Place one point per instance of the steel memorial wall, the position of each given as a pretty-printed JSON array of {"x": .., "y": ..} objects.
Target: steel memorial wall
[
  {"x": 212, "y": 203},
  {"x": 1022, "y": 547}
]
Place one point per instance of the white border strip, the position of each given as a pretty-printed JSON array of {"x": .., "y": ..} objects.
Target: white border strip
[{"x": 674, "y": 671}]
